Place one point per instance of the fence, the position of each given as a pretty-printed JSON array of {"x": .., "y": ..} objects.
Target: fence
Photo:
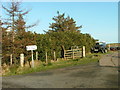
[{"x": 74, "y": 53}]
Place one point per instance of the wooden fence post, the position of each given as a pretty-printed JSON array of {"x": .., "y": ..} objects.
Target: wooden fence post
[
  {"x": 64, "y": 54},
  {"x": 10, "y": 59},
  {"x": 46, "y": 57},
  {"x": 109, "y": 47},
  {"x": 83, "y": 51},
  {"x": 21, "y": 60},
  {"x": 36, "y": 55},
  {"x": 54, "y": 55},
  {"x": 0, "y": 60},
  {"x": 73, "y": 53}
]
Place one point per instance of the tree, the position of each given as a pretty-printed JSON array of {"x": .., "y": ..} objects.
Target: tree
[
  {"x": 64, "y": 24},
  {"x": 62, "y": 35},
  {"x": 61, "y": 28},
  {"x": 18, "y": 35}
]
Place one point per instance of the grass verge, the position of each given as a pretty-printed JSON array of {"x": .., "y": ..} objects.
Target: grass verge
[{"x": 90, "y": 58}]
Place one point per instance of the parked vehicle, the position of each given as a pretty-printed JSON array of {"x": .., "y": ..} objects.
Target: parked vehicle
[
  {"x": 99, "y": 47},
  {"x": 114, "y": 48}
]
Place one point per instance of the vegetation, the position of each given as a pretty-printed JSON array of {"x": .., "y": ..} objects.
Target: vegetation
[
  {"x": 14, "y": 34},
  {"x": 63, "y": 33},
  {"x": 91, "y": 58}
]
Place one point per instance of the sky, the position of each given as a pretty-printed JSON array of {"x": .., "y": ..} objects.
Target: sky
[{"x": 100, "y": 19}]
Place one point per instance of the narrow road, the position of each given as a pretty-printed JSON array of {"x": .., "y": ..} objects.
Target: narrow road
[
  {"x": 82, "y": 76},
  {"x": 110, "y": 59}
]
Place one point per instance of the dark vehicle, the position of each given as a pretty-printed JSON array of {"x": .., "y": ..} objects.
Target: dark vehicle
[
  {"x": 114, "y": 48},
  {"x": 99, "y": 47}
]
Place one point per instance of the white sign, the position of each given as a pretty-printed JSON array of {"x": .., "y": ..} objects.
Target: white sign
[{"x": 31, "y": 47}]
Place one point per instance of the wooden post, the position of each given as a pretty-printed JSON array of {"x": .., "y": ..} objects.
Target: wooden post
[
  {"x": 0, "y": 61},
  {"x": 36, "y": 55},
  {"x": 32, "y": 59},
  {"x": 10, "y": 59},
  {"x": 46, "y": 57},
  {"x": 22, "y": 60},
  {"x": 54, "y": 55},
  {"x": 83, "y": 51},
  {"x": 64, "y": 54},
  {"x": 109, "y": 47},
  {"x": 73, "y": 53},
  {"x": 80, "y": 53}
]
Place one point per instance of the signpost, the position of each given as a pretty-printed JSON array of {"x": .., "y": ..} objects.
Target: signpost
[{"x": 31, "y": 47}]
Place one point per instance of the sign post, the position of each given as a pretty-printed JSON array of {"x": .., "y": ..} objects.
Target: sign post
[
  {"x": 32, "y": 59},
  {"x": 31, "y": 47}
]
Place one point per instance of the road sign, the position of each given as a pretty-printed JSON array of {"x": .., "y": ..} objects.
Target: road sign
[{"x": 31, "y": 47}]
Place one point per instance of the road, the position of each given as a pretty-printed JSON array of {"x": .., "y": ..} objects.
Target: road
[
  {"x": 81, "y": 76},
  {"x": 109, "y": 59}
]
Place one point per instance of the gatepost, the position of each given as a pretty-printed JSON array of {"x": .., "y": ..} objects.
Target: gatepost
[{"x": 83, "y": 51}]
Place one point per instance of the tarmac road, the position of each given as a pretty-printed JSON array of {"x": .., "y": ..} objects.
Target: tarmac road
[
  {"x": 110, "y": 60},
  {"x": 82, "y": 76}
]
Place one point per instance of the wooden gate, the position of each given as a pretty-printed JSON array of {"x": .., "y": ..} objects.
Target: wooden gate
[{"x": 73, "y": 53}]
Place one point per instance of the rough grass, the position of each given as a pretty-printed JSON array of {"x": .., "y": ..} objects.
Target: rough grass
[{"x": 90, "y": 58}]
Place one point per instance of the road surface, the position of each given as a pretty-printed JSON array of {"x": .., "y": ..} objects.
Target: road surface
[
  {"x": 109, "y": 59},
  {"x": 81, "y": 76}
]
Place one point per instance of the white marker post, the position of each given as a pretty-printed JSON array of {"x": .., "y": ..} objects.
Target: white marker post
[
  {"x": 22, "y": 60},
  {"x": 11, "y": 59},
  {"x": 36, "y": 55},
  {"x": 83, "y": 51},
  {"x": 31, "y": 47}
]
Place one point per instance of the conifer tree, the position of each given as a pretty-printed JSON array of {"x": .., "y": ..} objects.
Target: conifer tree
[
  {"x": 18, "y": 35},
  {"x": 62, "y": 23},
  {"x": 60, "y": 28}
]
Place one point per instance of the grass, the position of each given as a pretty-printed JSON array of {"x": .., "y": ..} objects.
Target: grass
[{"x": 90, "y": 58}]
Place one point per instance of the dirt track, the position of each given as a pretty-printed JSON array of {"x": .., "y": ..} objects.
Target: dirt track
[{"x": 82, "y": 76}]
